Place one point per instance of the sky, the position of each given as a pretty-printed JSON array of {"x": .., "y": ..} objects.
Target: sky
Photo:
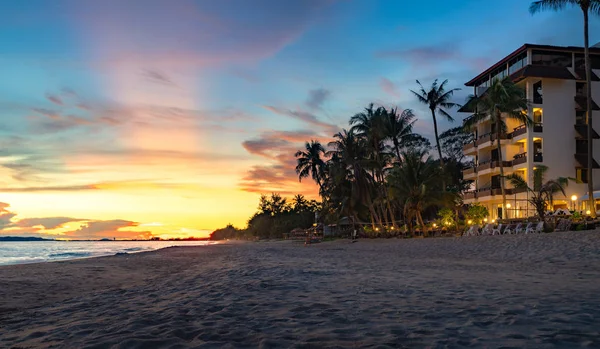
[{"x": 133, "y": 119}]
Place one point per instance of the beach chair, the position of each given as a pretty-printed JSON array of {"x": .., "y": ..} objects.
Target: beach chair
[
  {"x": 472, "y": 231},
  {"x": 518, "y": 229},
  {"x": 488, "y": 229},
  {"x": 538, "y": 228},
  {"x": 524, "y": 228},
  {"x": 499, "y": 230}
]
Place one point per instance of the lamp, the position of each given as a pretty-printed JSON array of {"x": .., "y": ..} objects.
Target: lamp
[
  {"x": 574, "y": 201},
  {"x": 485, "y": 220},
  {"x": 493, "y": 221},
  {"x": 573, "y": 197},
  {"x": 434, "y": 225},
  {"x": 508, "y": 205},
  {"x": 588, "y": 212},
  {"x": 469, "y": 222}
]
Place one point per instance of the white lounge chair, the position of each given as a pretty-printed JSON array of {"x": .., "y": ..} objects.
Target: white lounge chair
[
  {"x": 526, "y": 228},
  {"x": 539, "y": 228},
  {"x": 499, "y": 230},
  {"x": 488, "y": 230},
  {"x": 520, "y": 229},
  {"x": 472, "y": 231}
]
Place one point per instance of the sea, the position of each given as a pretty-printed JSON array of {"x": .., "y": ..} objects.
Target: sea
[{"x": 19, "y": 252}]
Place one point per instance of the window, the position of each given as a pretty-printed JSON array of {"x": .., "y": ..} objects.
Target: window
[
  {"x": 517, "y": 63},
  {"x": 580, "y": 88},
  {"x": 552, "y": 58},
  {"x": 537, "y": 150},
  {"x": 581, "y": 175},
  {"x": 538, "y": 93},
  {"x": 581, "y": 146},
  {"x": 538, "y": 115},
  {"x": 580, "y": 61}
]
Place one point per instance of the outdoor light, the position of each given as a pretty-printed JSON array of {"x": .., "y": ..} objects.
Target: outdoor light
[
  {"x": 485, "y": 220},
  {"x": 493, "y": 221},
  {"x": 508, "y": 205},
  {"x": 470, "y": 221},
  {"x": 573, "y": 197},
  {"x": 588, "y": 212},
  {"x": 376, "y": 229},
  {"x": 434, "y": 225}
]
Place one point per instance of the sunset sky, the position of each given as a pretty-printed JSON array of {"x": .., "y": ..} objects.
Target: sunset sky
[{"x": 123, "y": 118}]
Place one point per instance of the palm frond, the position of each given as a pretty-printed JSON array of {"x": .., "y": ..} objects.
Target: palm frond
[{"x": 552, "y": 5}]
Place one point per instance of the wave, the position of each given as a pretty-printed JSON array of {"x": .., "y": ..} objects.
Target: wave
[{"x": 70, "y": 255}]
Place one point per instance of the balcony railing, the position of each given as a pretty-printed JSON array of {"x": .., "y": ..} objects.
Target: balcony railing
[
  {"x": 492, "y": 164},
  {"x": 470, "y": 195},
  {"x": 489, "y": 137},
  {"x": 469, "y": 146},
  {"x": 470, "y": 170},
  {"x": 491, "y": 191},
  {"x": 520, "y": 130},
  {"x": 520, "y": 158},
  {"x": 538, "y": 127},
  {"x": 538, "y": 157}
]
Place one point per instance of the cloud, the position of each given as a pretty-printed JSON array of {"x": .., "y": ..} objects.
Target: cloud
[
  {"x": 47, "y": 112},
  {"x": 54, "y": 99},
  {"x": 304, "y": 116},
  {"x": 46, "y": 222},
  {"x": 60, "y": 227},
  {"x": 51, "y": 188},
  {"x": 317, "y": 97},
  {"x": 157, "y": 77},
  {"x": 389, "y": 87}
]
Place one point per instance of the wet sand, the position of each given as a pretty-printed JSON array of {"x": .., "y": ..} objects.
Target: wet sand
[{"x": 539, "y": 291}]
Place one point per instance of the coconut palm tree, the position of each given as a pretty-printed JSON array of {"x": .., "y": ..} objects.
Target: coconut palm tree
[
  {"x": 415, "y": 182},
  {"x": 587, "y": 7},
  {"x": 351, "y": 151},
  {"x": 542, "y": 192},
  {"x": 310, "y": 162},
  {"x": 437, "y": 100},
  {"x": 502, "y": 100},
  {"x": 398, "y": 128}
]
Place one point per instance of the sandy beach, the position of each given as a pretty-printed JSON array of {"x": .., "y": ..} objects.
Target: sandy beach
[{"x": 495, "y": 291}]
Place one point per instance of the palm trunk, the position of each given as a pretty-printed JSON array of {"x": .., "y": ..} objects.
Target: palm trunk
[
  {"x": 501, "y": 163},
  {"x": 421, "y": 223},
  {"x": 437, "y": 142},
  {"x": 397, "y": 147},
  {"x": 588, "y": 79}
]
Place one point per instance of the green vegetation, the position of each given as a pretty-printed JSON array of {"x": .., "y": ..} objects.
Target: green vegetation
[{"x": 477, "y": 213}]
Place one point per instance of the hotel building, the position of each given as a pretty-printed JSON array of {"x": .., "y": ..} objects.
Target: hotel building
[{"x": 554, "y": 80}]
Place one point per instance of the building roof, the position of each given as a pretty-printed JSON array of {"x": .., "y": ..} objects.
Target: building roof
[{"x": 524, "y": 48}]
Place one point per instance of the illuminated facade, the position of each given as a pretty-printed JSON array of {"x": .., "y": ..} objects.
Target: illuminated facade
[{"x": 554, "y": 80}]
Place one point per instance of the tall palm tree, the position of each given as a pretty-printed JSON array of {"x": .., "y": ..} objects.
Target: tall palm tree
[
  {"x": 416, "y": 184},
  {"x": 350, "y": 149},
  {"x": 503, "y": 100},
  {"x": 398, "y": 128},
  {"x": 437, "y": 99},
  {"x": 372, "y": 125},
  {"x": 310, "y": 162},
  {"x": 587, "y": 7},
  {"x": 542, "y": 192}
]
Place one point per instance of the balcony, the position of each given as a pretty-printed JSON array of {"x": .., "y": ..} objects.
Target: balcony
[
  {"x": 491, "y": 165},
  {"x": 470, "y": 148},
  {"x": 483, "y": 192},
  {"x": 538, "y": 127},
  {"x": 469, "y": 173},
  {"x": 538, "y": 157},
  {"x": 519, "y": 159},
  {"x": 470, "y": 195},
  {"x": 518, "y": 131},
  {"x": 487, "y": 140}
]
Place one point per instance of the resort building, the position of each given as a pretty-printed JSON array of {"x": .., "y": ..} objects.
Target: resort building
[{"x": 554, "y": 80}]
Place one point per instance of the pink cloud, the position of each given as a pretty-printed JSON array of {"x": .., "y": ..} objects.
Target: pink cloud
[
  {"x": 54, "y": 99},
  {"x": 389, "y": 87}
]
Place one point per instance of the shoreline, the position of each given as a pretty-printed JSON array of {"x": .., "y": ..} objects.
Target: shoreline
[
  {"x": 208, "y": 243},
  {"x": 488, "y": 291}
]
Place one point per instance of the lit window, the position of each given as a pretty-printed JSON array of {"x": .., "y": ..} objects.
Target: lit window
[{"x": 581, "y": 175}]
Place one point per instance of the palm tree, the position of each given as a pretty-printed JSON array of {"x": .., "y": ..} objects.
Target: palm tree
[
  {"x": 542, "y": 192},
  {"x": 587, "y": 7},
  {"x": 503, "y": 100},
  {"x": 416, "y": 184},
  {"x": 438, "y": 100},
  {"x": 351, "y": 151},
  {"x": 398, "y": 128},
  {"x": 310, "y": 162}
]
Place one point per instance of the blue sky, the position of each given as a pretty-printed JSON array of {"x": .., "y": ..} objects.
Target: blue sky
[{"x": 165, "y": 118}]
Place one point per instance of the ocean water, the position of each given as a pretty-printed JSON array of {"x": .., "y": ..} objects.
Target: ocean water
[{"x": 45, "y": 251}]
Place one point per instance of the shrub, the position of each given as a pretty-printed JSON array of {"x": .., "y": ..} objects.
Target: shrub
[
  {"x": 447, "y": 217},
  {"x": 477, "y": 213},
  {"x": 580, "y": 227}
]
